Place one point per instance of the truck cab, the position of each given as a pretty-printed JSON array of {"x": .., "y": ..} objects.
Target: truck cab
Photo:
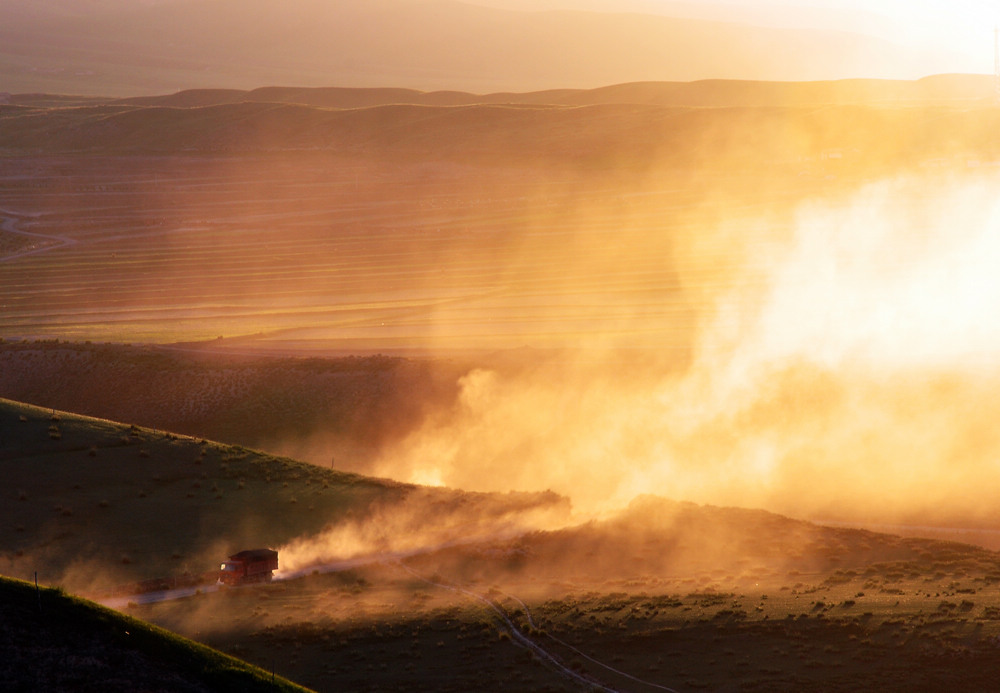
[{"x": 255, "y": 565}]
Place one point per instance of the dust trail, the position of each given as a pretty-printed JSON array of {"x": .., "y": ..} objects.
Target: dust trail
[
  {"x": 845, "y": 368},
  {"x": 424, "y": 521}
]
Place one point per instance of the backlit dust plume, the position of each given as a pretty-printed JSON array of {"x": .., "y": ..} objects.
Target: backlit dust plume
[{"x": 845, "y": 367}]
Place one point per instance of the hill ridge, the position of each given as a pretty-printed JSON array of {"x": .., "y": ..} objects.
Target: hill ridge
[{"x": 936, "y": 89}]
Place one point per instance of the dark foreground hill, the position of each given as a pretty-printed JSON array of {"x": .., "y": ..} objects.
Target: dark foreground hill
[{"x": 55, "y": 642}]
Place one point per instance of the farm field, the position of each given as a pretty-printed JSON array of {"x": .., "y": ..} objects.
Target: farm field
[
  {"x": 313, "y": 251},
  {"x": 421, "y": 229},
  {"x": 431, "y": 229}
]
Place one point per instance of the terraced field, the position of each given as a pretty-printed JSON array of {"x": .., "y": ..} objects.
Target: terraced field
[{"x": 302, "y": 249}]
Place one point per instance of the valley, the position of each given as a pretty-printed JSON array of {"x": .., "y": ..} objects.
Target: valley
[{"x": 568, "y": 390}]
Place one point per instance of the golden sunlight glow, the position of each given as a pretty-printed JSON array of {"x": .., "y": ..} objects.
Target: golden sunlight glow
[
  {"x": 958, "y": 33},
  {"x": 850, "y": 372}
]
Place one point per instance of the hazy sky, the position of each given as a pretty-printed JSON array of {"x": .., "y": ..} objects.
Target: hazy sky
[
  {"x": 451, "y": 44},
  {"x": 964, "y": 27}
]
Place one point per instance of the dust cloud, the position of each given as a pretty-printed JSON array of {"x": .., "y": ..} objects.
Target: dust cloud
[
  {"x": 843, "y": 367},
  {"x": 397, "y": 530}
]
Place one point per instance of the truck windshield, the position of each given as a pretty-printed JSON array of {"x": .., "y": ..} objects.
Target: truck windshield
[{"x": 228, "y": 566}]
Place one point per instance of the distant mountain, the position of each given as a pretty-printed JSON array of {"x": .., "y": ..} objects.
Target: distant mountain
[
  {"x": 935, "y": 90},
  {"x": 111, "y": 47}
]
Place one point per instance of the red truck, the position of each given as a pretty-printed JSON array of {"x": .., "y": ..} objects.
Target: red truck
[{"x": 255, "y": 565}]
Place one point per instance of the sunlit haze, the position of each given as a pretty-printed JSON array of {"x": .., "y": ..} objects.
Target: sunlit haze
[
  {"x": 121, "y": 48},
  {"x": 500, "y": 345},
  {"x": 961, "y": 30}
]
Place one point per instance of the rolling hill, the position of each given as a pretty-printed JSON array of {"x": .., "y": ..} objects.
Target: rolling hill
[
  {"x": 346, "y": 409},
  {"x": 95, "y": 504},
  {"x": 56, "y": 642},
  {"x": 712, "y": 93},
  {"x": 398, "y": 227},
  {"x": 614, "y": 135},
  {"x": 661, "y": 594}
]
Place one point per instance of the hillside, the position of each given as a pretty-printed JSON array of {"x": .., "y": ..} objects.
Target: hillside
[
  {"x": 320, "y": 410},
  {"x": 464, "y": 590},
  {"x": 94, "y": 504},
  {"x": 603, "y": 136},
  {"x": 421, "y": 228},
  {"x": 55, "y": 642},
  {"x": 714, "y": 93},
  {"x": 664, "y": 595}
]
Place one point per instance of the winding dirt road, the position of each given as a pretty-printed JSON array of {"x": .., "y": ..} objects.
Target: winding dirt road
[
  {"x": 396, "y": 559},
  {"x": 9, "y": 224}
]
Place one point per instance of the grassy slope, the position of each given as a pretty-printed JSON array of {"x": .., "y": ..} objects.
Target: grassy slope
[
  {"x": 93, "y": 504},
  {"x": 359, "y": 404},
  {"x": 676, "y": 594},
  {"x": 142, "y": 504},
  {"x": 52, "y": 641},
  {"x": 689, "y": 597}
]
